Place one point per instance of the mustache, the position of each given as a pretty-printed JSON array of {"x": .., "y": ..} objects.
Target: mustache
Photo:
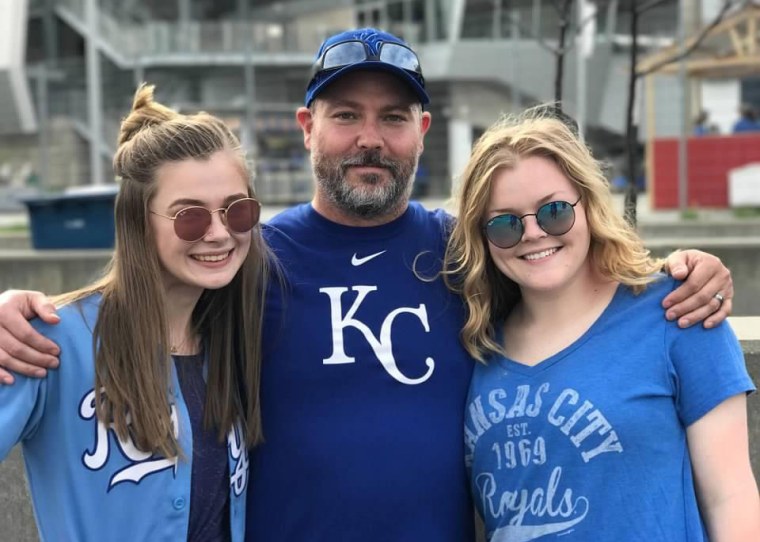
[{"x": 369, "y": 158}]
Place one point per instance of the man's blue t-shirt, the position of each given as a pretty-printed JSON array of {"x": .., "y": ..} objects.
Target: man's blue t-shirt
[
  {"x": 363, "y": 387},
  {"x": 590, "y": 444}
]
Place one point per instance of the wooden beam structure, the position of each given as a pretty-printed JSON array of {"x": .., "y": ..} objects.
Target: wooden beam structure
[{"x": 730, "y": 49}]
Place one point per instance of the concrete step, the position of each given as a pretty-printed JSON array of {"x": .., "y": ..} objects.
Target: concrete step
[{"x": 701, "y": 228}]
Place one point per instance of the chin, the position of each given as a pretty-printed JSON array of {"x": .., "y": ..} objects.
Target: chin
[
  {"x": 216, "y": 284},
  {"x": 543, "y": 283}
]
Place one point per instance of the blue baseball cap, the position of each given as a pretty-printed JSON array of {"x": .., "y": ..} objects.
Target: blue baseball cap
[{"x": 365, "y": 49}]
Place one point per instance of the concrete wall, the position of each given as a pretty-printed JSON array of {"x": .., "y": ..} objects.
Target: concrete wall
[
  {"x": 16, "y": 515},
  {"x": 740, "y": 255},
  {"x": 59, "y": 271},
  {"x": 14, "y": 241},
  {"x": 66, "y": 155},
  {"x": 700, "y": 231},
  {"x": 51, "y": 271}
]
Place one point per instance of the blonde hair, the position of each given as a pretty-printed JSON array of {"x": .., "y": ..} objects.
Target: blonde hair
[
  {"x": 616, "y": 251},
  {"x": 131, "y": 339}
]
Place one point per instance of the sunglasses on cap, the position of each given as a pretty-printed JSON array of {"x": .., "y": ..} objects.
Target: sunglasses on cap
[
  {"x": 555, "y": 218},
  {"x": 192, "y": 223},
  {"x": 351, "y": 52}
]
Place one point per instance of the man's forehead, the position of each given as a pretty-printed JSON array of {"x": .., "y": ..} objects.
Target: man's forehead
[
  {"x": 355, "y": 86},
  {"x": 392, "y": 103}
]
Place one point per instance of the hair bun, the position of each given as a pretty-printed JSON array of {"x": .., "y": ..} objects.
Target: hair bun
[{"x": 145, "y": 113}]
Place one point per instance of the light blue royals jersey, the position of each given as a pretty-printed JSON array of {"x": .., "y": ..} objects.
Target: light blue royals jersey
[{"x": 87, "y": 485}]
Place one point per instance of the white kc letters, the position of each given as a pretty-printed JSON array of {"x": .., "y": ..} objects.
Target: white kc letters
[
  {"x": 239, "y": 453},
  {"x": 381, "y": 345},
  {"x": 141, "y": 464}
]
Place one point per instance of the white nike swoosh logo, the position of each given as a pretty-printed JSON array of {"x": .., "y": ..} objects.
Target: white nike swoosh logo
[{"x": 356, "y": 261}]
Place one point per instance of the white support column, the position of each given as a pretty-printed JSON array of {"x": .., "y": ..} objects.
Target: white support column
[
  {"x": 138, "y": 72},
  {"x": 431, "y": 20},
  {"x": 184, "y": 11},
  {"x": 15, "y": 81},
  {"x": 514, "y": 62},
  {"x": 457, "y": 18},
  {"x": 586, "y": 17},
  {"x": 496, "y": 22},
  {"x": 94, "y": 92},
  {"x": 460, "y": 145},
  {"x": 683, "y": 156},
  {"x": 248, "y": 130},
  {"x": 611, "y": 20}
]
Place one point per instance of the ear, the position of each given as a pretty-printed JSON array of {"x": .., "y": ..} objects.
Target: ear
[
  {"x": 425, "y": 120},
  {"x": 305, "y": 121}
]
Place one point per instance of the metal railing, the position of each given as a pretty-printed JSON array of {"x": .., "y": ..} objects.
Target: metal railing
[{"x": 153, "y": 37}]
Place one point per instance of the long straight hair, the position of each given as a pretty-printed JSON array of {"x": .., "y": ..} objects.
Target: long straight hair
[{"x": 131, "y": 338}]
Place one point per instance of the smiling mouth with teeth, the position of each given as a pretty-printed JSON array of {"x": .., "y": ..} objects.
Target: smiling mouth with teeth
[
  {"x": 211, "y": 257},
  {"x": 540, "y": 255}
]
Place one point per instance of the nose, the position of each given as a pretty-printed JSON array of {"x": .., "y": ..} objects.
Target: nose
[
  {"x": 531, "y": 229},
  {"x": 217, "y": 230},
  {"x": 370, "y": 136}
]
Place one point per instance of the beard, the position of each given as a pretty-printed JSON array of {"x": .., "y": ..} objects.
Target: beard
[{"x": 372, "y": 198}]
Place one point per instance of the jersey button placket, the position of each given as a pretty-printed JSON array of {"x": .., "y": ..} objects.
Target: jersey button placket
[{"x": 179, "y": 503}]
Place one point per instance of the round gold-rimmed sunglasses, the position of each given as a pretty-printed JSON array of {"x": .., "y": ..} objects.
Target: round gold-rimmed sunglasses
[{"x": 192, "y": 223}]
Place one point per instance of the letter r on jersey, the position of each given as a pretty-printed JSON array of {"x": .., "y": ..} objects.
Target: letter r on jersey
[{"x": 382, "y": 346}]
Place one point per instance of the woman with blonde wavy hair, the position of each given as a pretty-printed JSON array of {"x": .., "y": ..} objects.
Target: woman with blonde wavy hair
[
  {"x": 591, "y": 417},
  {"x": 142, "y": 434}
]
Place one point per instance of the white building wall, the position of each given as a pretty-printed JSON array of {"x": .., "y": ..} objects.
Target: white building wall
[
  {"x": 473, "y": 106},
  {"x": 670, "y": 100},
  {"x": 315, "y": 27},
  {"x": 481, "y": 104},
  {"x": 710, "y": 8},
  {"x": 721, "y": 99}
]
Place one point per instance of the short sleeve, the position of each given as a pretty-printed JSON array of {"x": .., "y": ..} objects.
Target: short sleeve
[{"x": 708, "y": 366}]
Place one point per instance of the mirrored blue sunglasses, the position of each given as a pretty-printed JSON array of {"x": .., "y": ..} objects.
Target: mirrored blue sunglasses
[
  {"x": 555, "y": 218},
  {"x": 351, "y": 52}
]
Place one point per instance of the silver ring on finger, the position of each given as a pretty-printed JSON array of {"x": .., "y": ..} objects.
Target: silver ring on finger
[{"x": 720, "y": 298}]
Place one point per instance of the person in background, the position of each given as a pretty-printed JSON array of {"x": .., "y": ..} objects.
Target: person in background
[
  {"x": 590, "y": 417},
  {"x": 701, "y": 126},
  {"x": 364, "y": 379},
  {"x": 747, "y": 120},
  {"x": 143, "y": 432}
]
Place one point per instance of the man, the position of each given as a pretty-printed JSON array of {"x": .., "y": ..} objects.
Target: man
[{"x": 364, "y": 381}]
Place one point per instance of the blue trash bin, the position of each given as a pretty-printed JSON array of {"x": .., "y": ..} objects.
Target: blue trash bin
[{"x": 80, "y": 218}]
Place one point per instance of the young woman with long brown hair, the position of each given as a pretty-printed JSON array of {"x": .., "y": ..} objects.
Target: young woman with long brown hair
[{"x": 143, "y": 432}]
